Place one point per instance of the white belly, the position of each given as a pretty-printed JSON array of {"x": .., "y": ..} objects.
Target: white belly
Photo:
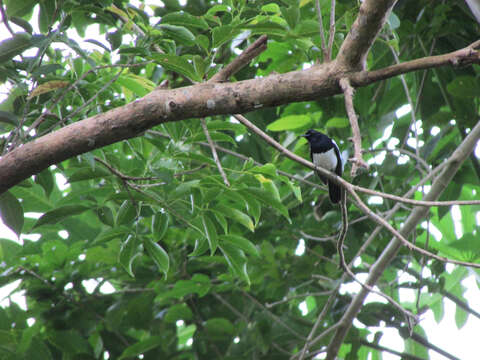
[{"x": 326, "y": 160}]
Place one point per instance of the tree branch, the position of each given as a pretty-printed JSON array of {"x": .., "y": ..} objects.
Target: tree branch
[
  {"x": 196, "y": 101},
  {"x": 370, "y": 20},
  {"x": 214, "y": 152},
  {"x": 352, "y": 116}
]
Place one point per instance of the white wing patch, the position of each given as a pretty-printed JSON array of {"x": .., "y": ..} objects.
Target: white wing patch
[{"x": 326, "y": 160}]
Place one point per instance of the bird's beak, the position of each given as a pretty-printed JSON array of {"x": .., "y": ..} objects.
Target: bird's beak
[{"x": 304, "y": 135}]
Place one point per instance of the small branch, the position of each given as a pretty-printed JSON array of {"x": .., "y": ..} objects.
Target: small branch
[
  {"x": 273, "y": 316},
  {"x": 462, "y": 57},
  {"x": 331, "y": 35},
  {"x": 214, "y": 152},
  {"x": 421, "y": 340},
  {"x": 191, "y": 171},
  {"x": 255, "y": 49},
  {"x": 121, "y": 175},
  {"x": 341, "y": 181},
  {"x": 343, "y": 232},
  {"x": 352, "y": 116},
  {"x": 419, "y": 159},
  {"x": 287, "y": 299},
  {"x": 326, "y": 55},
  {"x": 403, "y": 356},
  {"x": 399, "y": 307}
]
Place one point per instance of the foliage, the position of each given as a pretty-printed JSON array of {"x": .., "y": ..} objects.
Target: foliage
[{"x": 199, "y": 269}]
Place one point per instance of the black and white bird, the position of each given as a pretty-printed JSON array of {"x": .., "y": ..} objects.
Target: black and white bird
[{"x": 324, "y": 153}]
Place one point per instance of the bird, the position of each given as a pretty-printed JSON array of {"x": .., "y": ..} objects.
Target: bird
[{"x": 325, "y": 153}]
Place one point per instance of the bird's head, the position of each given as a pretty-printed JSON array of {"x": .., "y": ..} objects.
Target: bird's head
[{"x": 313, "y": 135}]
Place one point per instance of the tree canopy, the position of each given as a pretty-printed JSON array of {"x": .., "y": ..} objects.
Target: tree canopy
[{"x": 205, "y": 232}]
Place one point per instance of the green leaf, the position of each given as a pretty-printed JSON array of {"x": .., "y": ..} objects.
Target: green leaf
[
  {"x": 178, "y": 312},
  {"x": 223, "y": 34},
  {"x": 236, "y": 260},
  {"x": 267, "y": 28},
  {"x": 178, "y": 33},
  {"x": 69, "y": 341},
  {"x": 105, "y": 215},
  {"x": 19, "y": 8},
  {"x": 128, "y": 253},
  {"x": 265, "y": 197},
  {"x": 8, "y": 118},
  {"x": 242, "y": 243},
  {"x": 291, "y": 15},
  {"x": 297, "y": 191},
  {"x": 159, "y": 225},
  {"x": 461, "y": 316},
  {"x": 210, "y": 232},
  {"x": 393, "y": 21},
  {"x": 236, "y": 215},
  {"x": 158, "y": 255},
  {"x": 267, "y": 169},
  {"x": 291, "y": 122},
  {"x": 136, "y": 84},
  {"x": 59, "y": 214},
  {"x": 271, "y": 8},
  {"x": 126, "y": 213},
  {"x": 219, "y": 328},
  {"x": 177, "y": 64},
  {"x": 464, "y": 86},
  {"x": 46, "y": 181},
  {"x": 11, "y": 212},
  {"x": 88, "y": 173},
  {"x": 185, "y": 19},
  {"x": 13, "y": 46},
  {"x": 199, "y": 284},
  {"x": 253, "y": 208},
  {"x": 337, "y": 122},
  {"x": 185, "y": 333},
  {"x": 142, "y": 347}
]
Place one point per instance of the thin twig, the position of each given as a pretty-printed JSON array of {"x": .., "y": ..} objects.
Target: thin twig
[
  {"x": 326, "y": 56},
  {"x": 273, "y": 316},
  {"x": 356, "y": 136},
  {"x": 343, "y": 232},
  {"x": 242, "y": 60},
  {"x": 331, "y": 35},
  {"x": 214, "y": 152},
  {"x": 419, "y": 159}
]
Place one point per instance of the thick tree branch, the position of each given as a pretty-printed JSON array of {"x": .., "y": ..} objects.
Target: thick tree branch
[
  {"x": 197, "y": 101},
  {"x": 370, "y": 20}
]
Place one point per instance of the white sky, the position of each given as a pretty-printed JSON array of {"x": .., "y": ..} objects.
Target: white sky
[{"x": 462, "y": 343}]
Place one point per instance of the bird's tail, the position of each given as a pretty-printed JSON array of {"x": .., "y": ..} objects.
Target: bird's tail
[{"x": 335, "y": 192}]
